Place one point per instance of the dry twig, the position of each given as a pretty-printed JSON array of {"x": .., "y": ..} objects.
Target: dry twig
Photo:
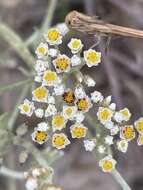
[{"x": 91, "y": 25}]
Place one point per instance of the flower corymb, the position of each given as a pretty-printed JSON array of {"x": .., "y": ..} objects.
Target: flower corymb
[{"x": 63, "y": 99}]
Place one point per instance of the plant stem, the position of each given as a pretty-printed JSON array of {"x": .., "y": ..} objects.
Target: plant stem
[
  {"x": 117, "y": 176},
  {"x": 34, "y": 38},
  {"x": 11, "y": 173},
  {"x": 16, "y": 42},
  {"x": 10, "y": 87}
]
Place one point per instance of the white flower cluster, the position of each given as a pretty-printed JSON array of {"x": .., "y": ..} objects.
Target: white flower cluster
[{"x": 59, "y": 105}]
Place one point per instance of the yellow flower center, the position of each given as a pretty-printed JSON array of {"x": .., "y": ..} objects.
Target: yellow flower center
[
  {"x": 42, "y": 50},
  {"x": 78, "y": 132},
  {"x": 82, "y": 104},
  {"x": 53, "y": 35},
  {"x": 104, "y": 115},
  {"x": 50, "y": 76},
  {"x": 58, "y": 140},
  {"x": 128, "y": 133},
  {"x": 58, "y": 121},
  {"x": 40, "y": 136},
  {"x": 62, "y": 63},
  {"x": 139, "y": 126},
  {"x": 68, "y": 97},
  {"x": 75, "y": 44},
  {"x": 25, "y": 108},
  {"x": 107, "y": 165},
  {"x": 40, "y": 93},
  {"x": 92, "y": 57}
]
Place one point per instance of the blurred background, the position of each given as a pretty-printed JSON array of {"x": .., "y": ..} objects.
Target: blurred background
[{"x": 120, "y": 74}]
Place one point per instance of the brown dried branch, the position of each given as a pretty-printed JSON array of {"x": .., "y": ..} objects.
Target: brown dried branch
[{"x": 91, "y": 25}]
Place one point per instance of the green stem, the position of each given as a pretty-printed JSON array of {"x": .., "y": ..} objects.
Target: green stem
[
  {"x": 120, "y": 180},
  {"x": 34, "y": 38},
  {"x": 11, "y": 173},
  {"x": 16, "y": 42},
  {"x": 10, "y": 87}
]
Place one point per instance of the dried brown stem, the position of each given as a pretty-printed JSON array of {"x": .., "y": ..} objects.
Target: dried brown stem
[{"x": 91, "y": 25}]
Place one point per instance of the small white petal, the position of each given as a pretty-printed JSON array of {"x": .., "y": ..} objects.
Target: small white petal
[
  {"x": 39, "y": 112},
  {"x": 89, "y": 81},
  {"x": 75, "y": 60},
  {"x": 109, "y": 140},
  {"x": 89, "y": 145},
  {"x": 31, "y": 183}
]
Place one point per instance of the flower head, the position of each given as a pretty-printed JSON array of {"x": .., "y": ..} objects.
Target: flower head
[
  {"x": 40, "y": 94},
  {"x": 31, "y": 183},
  {"x": 75, "y": 60},
  {"x": 27, "y": 108},
  {"x": 127, "y": 132},
  {"x": 75, "y": 45},
  {"x": 89, "y": 145},
  {"x": 125, "y": 114},
  {"x": 60, "y": 140},
  {"x": 96, "y": 97},
  {"x": 139, "y": 125},
  {"x": 53, "y": 36},
  {"x": 78, "y": 130},
  {"x": 41, "y": 66},
  {"x": 109, "y": 140},
  {"x": 104, "y": 114},
  {"x": 62, "y": 28},
  {"x": 83, "y": 104},
  {"x": 92, "y": 57},
  {"x": 51, "y": 110},
  {"x": 58, "y": 122},
  {"x": 62, "y": 63},
  {"x": 50, "y": 78},
  {"x": 42, "y": 50},
  {"x": 39, "y": 113},
  {"x": 140, "y": 140},
  {"x": 122, "y": 115},
  {"x": 68, "y": 96},
  {"x": 69, "y": 112},
  {"x": 40, "y": 134},
  {"x": 107, "y": 164},
  {"x": 122, "y": 145}
]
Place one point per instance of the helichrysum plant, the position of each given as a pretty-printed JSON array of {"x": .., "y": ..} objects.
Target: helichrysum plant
[{"x": 61, "y": 105}]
